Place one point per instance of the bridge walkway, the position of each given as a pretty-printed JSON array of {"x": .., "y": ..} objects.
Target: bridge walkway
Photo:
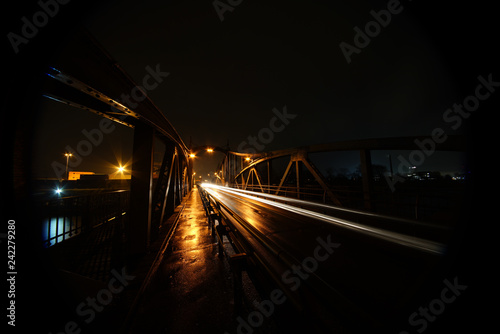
[{"x": 192, "y": 291}]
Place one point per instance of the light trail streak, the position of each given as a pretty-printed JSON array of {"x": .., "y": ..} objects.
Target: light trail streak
[{"x": 399, "y": 238}]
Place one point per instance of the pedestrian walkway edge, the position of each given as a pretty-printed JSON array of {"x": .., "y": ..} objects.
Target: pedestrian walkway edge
[{"x": 154, "y": 267}]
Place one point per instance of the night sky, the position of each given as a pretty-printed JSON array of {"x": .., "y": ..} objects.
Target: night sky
[{"x": 225, "y": 77}]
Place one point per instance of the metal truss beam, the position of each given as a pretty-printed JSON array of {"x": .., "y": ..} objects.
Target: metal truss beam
[
  {"x": 452, "y": 143},
  {"x": 86, "y": 77},
  {"x": 300, "y": 154}
]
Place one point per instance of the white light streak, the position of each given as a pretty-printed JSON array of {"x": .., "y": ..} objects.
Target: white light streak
[{"x": 398, "y": 238}]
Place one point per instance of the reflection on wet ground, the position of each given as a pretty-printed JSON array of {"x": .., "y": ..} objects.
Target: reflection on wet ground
[{"x": 192, "y": 291}]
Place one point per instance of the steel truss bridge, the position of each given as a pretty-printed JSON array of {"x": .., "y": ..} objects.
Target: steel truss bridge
[{"x": 271, "y": 206}]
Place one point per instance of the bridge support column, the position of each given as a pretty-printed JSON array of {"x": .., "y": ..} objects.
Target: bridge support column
[{"x": 139, "y": 228}]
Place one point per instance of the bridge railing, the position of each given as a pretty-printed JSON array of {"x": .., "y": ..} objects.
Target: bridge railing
[
  {"x": 96, "y": 83},
  {"x": 414, "y": 200},
  {"x": 308, "y": 173},
  {"x": 263, "y": 253},
  {"x": 65, "y": 217},
  {"x": 85, "y": 234}
]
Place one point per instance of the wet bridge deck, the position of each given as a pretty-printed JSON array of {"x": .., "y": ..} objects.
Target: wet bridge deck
[{"x": 192, "y": 290}]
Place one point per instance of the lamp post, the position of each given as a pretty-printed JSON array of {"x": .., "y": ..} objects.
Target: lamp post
[{"x": 67, "y": 155}]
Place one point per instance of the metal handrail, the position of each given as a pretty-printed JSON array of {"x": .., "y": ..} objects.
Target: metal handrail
[
  {"x": 66, "y": 217},
  {"x": 407, "y": 205},
  {"x": 285, "y": 259}
]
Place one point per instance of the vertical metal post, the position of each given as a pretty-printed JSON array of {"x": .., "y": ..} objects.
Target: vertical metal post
[
  {"x": 158, "y": 194},
  {"x": 139, "y": 224},
  {"x": 237, "y": 265},
  {"x": 175, "y": 179},
  {"x": 168, "y": 204},
  {"x": 178, "y": 194}
]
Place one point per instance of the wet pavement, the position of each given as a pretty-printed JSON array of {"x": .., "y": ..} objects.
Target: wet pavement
[{"x": 192, "y": 290}]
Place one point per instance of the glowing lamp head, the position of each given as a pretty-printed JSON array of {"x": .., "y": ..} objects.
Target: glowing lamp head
[{"x": 210, "y": 150}]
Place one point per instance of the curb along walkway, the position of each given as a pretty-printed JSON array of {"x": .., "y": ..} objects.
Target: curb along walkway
[{"x": 192, "y": 289}]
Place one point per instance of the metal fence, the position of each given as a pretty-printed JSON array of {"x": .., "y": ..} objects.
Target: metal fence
[
  {"x": 66, "y": 217},
  {"x": 419, "y": 200}
]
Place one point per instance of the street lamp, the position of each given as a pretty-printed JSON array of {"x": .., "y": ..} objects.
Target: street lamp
[
  {"x": 67, "y": 155},
  {"x": 210, "y": 150}
]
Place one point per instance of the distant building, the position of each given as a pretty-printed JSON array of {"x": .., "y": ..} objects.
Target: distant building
[{"x": 72, "y": 176}]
